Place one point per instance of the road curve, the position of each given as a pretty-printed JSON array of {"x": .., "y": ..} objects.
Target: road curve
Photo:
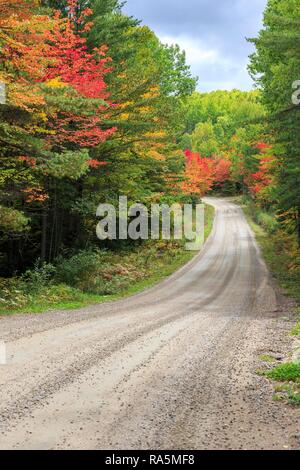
[{"x": 171, "y": 368}]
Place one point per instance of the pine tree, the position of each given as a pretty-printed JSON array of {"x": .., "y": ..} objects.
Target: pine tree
[{"x": 275, "y": 66}]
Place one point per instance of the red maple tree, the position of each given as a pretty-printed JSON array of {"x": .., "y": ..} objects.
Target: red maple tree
[
  {"x": 73, "y": 67},
  {"x": 202, "y": 173},
  {"x": 263, "y": 178}
]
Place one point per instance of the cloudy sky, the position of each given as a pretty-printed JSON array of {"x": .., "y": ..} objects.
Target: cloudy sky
[{"x": 212, "y": 32}]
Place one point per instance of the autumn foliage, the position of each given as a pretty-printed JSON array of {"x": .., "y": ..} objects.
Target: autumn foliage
[
  {"x": 50, "y": 74},
  {"x": 202, "y": 173},
  {"x": 262, "y": 182},
  {"x": 93, "y": 110}
]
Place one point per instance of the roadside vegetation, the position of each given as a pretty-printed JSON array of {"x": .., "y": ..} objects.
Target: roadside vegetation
[
  {"x": 279, "y": 246},
  {"x": 282, "y": 255},
  {"x": 95, "y": 276},
  {"x": 287, "y": 378},
  {"x": 275, "y": 201}
]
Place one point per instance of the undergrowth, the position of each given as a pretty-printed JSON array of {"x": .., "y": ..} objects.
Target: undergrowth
[{"x": 94, "y": 275}]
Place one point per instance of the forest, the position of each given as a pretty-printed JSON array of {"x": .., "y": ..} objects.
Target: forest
[{"x": 97, "y": 107}]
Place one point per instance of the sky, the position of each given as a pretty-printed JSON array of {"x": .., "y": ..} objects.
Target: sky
[{"x": 212, "y": 33}]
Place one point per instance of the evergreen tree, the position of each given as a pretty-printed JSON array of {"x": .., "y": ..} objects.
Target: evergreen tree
[{"x": 276, "y": 66}]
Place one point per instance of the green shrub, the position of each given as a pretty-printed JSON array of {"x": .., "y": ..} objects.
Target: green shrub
[
  {"x": 40, "y": 276},
  {"x": 12, "y": 220},
  {"x": 244, "y": 200},
  {"x": 12, "y": 293},
  {"x": 289, "y": 372},
  {"x": 294, "y": 398},
  {"x": 296, "y": 330},
  {"x": 78, "y": 268},
  {"x": 18, "y": 291},
  {"x": 98, "y": 272},
  {"x": 267, "y": 221}
]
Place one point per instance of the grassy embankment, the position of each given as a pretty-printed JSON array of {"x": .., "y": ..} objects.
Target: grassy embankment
[
  {"x": 92, "y": 277},
  {"x": 282, "y": 255}
]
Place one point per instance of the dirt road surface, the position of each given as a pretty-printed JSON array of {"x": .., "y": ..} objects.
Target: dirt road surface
[{"x": 171, "y": 368}]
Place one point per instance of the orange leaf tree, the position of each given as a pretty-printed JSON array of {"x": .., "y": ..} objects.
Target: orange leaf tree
[{"x": 202, "y": 173}]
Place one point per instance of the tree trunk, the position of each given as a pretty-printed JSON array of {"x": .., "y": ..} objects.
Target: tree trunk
[
  {"x": 44, "y": 235},
  {"x": 298, "y": 227}
]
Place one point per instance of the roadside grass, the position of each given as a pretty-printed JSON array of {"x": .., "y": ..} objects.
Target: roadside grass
[
  {"x": 294, "y": 398},
  {"x": 288, "y": 372},
  {"x": 290, "y": 394},
  {"x": 95, "y": 277},
  {"x": 296, "y": 330},
  {"x": 281, "y": 254}
]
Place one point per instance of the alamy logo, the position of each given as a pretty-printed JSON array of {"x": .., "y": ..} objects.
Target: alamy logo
[
  {"x": 296, "y": 94},
  {"x": 138, "y": 222},
  {"x": 2, "y": 93}
]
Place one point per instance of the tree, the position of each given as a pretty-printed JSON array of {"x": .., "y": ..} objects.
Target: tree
[
  {"x": 53, "y": 116},
  {"x": 94, "y": 110},
  {"x": 275, "y": 66},
  {"x": 147, "y": 85},
  {"x": 203, "y": 173},
  {"x": 204, "y": 139},
  {"x": 226, "y": 125}
]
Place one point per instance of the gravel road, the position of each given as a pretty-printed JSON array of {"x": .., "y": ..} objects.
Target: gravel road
[{"x": 171, "y": 368}]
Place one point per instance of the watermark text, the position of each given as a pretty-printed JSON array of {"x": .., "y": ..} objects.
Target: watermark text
[{"x": 160, "y": 221}]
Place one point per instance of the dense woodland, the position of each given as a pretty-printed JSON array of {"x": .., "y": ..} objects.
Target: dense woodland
[{"x": 97, "y": 107}]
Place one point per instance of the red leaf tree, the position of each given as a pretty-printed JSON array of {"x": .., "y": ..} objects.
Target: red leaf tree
[
  {"x": 263, "y": 178},
  {"x": 202, "y": 173},
  {"x": 81, "y": 76}
]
